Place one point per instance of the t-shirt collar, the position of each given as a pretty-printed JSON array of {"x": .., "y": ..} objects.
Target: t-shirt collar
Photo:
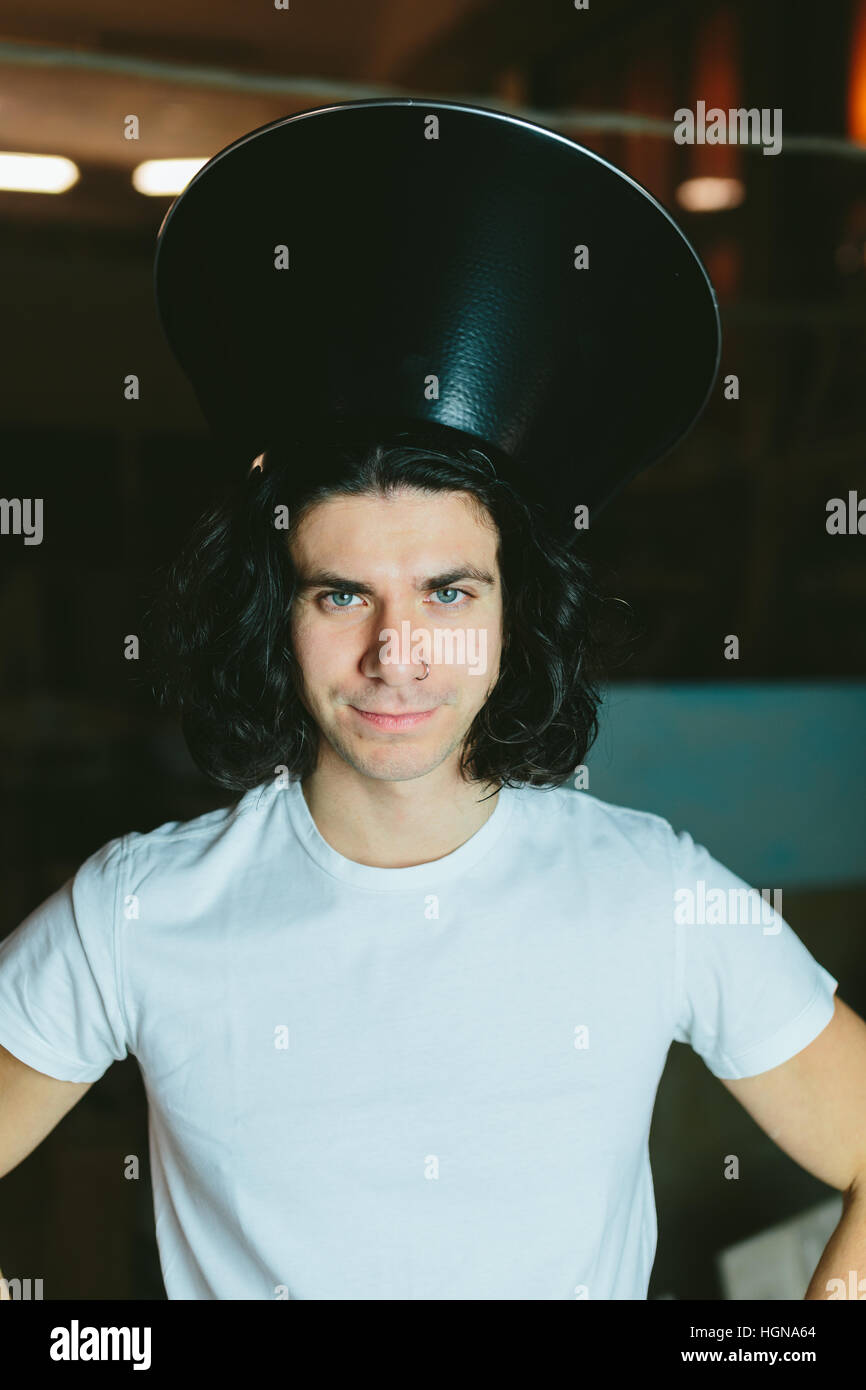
[{"x": 395, "y": 880}]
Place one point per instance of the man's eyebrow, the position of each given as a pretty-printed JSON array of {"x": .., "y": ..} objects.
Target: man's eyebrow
[{"x": 328, "y": 579}]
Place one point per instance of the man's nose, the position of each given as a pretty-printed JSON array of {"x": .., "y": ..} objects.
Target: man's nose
[{"x": 389, "y": 655}]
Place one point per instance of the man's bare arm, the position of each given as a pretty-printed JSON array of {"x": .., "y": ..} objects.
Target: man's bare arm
[
  {"x": 31, "y": 1105},
  {"x": 814, "y": 1107}
]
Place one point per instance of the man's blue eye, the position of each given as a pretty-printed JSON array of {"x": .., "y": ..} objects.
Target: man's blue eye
[{"x": 331, "y": 597}]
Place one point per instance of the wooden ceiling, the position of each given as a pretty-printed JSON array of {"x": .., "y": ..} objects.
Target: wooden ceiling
[{"x": 198, "y": 75}]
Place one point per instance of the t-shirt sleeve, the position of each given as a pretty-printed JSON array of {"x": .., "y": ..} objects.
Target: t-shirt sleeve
[
  {"x": 749, "y": 994},
  {"x": 60, "y": 997}
]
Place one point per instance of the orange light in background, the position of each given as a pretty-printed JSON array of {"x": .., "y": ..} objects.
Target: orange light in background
[
  {"x": 723, "y": 264},
  {"x": 857, "y": 80},
  {"x": 716, "y": 81},
  {"x": 714, "y": 179},
  {"x": 648, "y": 90}
]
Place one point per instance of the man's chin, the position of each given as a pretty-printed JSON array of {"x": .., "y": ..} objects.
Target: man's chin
[
  {"x": 395, "y": 760},
  {"x": 395, "y": 764}
]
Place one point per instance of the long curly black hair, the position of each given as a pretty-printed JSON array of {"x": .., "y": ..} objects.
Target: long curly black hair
[{"x": 218, "y": 634}]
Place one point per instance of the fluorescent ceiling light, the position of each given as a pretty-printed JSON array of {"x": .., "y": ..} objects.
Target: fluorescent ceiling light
[
  {"x": 710, "y": 194},
  {"x": 36, "y": 173},
  {"x": 163, "y": 178}
]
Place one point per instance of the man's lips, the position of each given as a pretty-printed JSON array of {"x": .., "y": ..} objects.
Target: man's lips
[{"x": 394, "y": 721}]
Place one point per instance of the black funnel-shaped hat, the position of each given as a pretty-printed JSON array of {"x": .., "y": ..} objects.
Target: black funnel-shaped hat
[{"x": 442, "y": 272}]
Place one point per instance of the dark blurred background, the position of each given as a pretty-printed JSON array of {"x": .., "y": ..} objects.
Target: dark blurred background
[{"x": 762, "y": 758}]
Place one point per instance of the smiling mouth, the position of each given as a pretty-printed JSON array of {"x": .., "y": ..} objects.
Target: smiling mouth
[{"x": 394, "y": 721}]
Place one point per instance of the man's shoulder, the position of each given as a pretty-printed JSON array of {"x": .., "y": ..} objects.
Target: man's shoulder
[
  {"x": 612, "y": 833},
  {"x": 563, "y": 805},
  {"x": 177, "y": 842}
]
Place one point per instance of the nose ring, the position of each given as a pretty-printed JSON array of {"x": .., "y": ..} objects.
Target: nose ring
[{"x": 426, "y": 671}]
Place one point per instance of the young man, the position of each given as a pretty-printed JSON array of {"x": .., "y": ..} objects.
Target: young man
[
  {"x": 401, "y": 1024},
  {"x": 401, "y": 1010}
]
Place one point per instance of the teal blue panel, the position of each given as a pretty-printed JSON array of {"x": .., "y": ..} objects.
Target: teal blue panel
[{"x": 771, "y": 777}]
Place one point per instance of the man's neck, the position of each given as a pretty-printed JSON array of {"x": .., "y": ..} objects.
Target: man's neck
[{"x": 395, "y": 825}]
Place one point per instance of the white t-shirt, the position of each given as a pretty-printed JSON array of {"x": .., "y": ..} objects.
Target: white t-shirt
[{"x": 432, "y": 1082}]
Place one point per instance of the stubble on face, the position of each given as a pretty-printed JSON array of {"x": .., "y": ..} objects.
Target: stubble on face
[{"x": 388, "y": 544}]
